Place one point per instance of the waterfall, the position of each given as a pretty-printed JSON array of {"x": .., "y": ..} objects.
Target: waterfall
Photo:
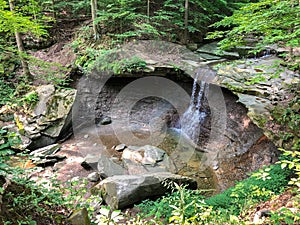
[
  {"x": 194, "y": 88},
  {"x": 194, "y": 116}
]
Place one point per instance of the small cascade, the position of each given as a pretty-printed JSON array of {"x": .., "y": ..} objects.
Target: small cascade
[
  {"x": 194, "y": 116},
  {"x": 194, "y": 89},
  {"x": 200, "y": 95},
  {"x": 266, "y": 53}
]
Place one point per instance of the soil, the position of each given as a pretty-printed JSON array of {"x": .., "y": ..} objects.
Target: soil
[{"x": 14, "y": 208}]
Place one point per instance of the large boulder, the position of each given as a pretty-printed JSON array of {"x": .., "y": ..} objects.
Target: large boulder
[
  {"x": 122, "y": 191},
  {"x": 50, "y": 119}
]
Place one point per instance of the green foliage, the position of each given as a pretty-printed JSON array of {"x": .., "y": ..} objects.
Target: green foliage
[
  {"x": 181, "y": 204},
  {"x": 285, "y": 216},
  {"x": 293, "y": 163},
  {"x": 287, "y": 117},
  {"x": 109, "y": 217},
  {"x": 69, "y": 8},
  {"x": 8, "y": 140},
  {"x": 259, "y": 187},
  {"x": 21, "y": 19},
  {"x": 50, "y": 72},
  {"x": 184, "y": 207},
  {"x": 30, "y": 100},
  {"x": 124, "y": 20},
  {"x": 112, "y": 62},
  {"x": 30, "y": 203},
  {"x": 265, "y": 22},
  {"x": 6, "y": 92},
  {"x": 190, "y": 207}
]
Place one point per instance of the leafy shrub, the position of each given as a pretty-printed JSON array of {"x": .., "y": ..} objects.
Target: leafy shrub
[
  {"x": 8, "y": 140},
  {"x": 190, "y": 207},
  {"x": 6, "y": 92},
  {"x": 259, "y": 187},
  {"x": 181, "y": 199},
  {"x": 256, "y": 21}
]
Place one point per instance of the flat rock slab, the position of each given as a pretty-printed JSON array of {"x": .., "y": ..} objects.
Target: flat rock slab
[
  {"x": 47, "y": 150},
  {"x": 107, "y": 167},
  {"x": 122, "y": 191}
]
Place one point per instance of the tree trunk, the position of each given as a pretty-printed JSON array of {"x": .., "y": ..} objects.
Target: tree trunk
[
  {"x": 148, "y": 10},
  {"x": 186, "y": 19},
  {"x": 94, "y": 16},
  {"x": 21, "y": 48},
  {"x": 54, "y": 12}
]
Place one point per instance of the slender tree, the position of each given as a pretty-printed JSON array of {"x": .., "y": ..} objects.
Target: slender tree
[
  {"x": 54, "y": 10},
  {"x": 148, "y": 10},
  {"x": 186, "y": 21},
  {"x": 20, "y": 45},
  {"x": 94, "y": 17}
]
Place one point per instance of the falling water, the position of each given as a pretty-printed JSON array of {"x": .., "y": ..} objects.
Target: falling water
[
  {"x": 194, "y": 88},
  {"x": 200, "y": 95},
  {"x": 193, "y": 117}
]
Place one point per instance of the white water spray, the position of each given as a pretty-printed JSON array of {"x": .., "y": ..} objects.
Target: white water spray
[{"x": 194, "y": 116}]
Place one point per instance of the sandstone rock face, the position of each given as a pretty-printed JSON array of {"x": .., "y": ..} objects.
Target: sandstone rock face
[
  {"x": 121, "y": 191},
  {"x": 260, "y": 87},
  {"x": 236, "y": 144},
  {"x": 50, "y": 119}
]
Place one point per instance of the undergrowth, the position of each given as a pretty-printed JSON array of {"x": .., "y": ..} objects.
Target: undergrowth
[{"x": 184, "y": 206}]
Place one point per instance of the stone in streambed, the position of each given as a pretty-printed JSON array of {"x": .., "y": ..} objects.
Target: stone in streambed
[
  {"x": 107, "y": 167},
  {"x": 147, "y": 159},
  {"x": 120, "y": 147},
  {"x": 122, "y": 191},
  {"x": 90, "y": 162}
]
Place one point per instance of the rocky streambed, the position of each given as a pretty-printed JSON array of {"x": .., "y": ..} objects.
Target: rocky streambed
[{"x": 127, "y": 131}]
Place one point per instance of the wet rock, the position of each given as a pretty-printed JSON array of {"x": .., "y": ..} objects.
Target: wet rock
[
  {"x": 80, "y": 217},
  {"x": 94, "y": 177},
  {"x": 120, "y": 147},
  {"x": 104, "y": 120},
  {"x": 122, "y": 191},
  {"x": 107, "y": 168},
  {"x": 90, "y": 162}
]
